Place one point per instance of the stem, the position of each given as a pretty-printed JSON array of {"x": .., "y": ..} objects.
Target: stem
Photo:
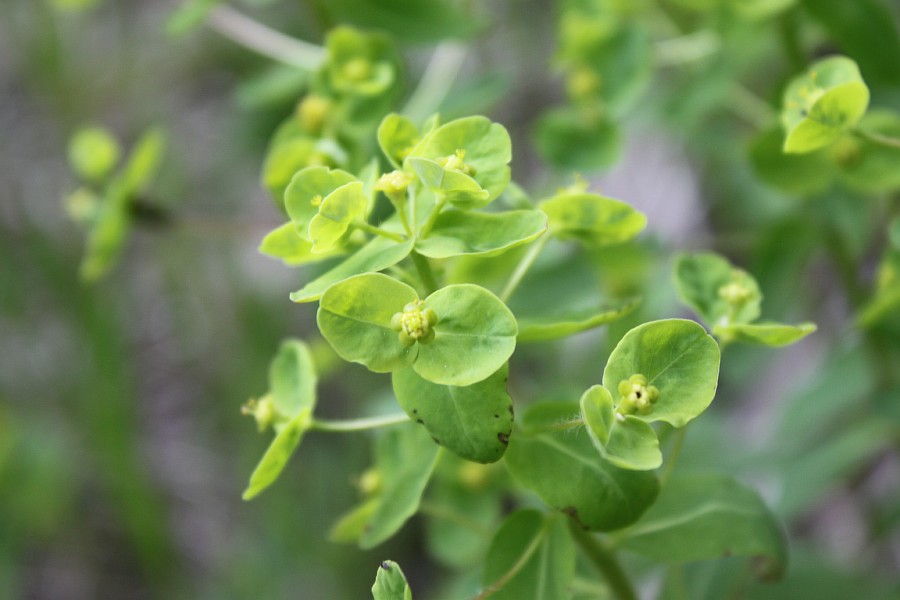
[
  {"x": 606, "y": 562},
  {"x": 751, "y": 107},
  {"x": 674, "y": 453},
  {"x": 442, "y": 512},
  {"x": 432, "y": 218},
  {"x": 359, "y": 224},
  {"x": 523, "y": 266},
  {"x": 425, "y": 273},
  {"x": 517, "y": 566},
  {"x": 436, "y": 81},
  {"x": 251, "y": 34},
  {"x": 358, "y": 424},
  {"x": 686, "y": 48},
  {"x": 878, "y": 138}
]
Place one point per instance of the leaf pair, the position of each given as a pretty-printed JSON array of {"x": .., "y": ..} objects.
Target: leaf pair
[
  {"x": 323, "y": 204},
  {"x": 728, "y": 299}
]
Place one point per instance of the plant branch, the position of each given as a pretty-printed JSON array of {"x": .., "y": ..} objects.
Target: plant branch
[
  {"x": 426, "y": 274},
  {"x": 360, "y": 224},
  {"x": 523, "y": 266},
  {"x": 251, "y": 34},
  {"x": 497, "y": 585},
  {"x": 436, "y": 81},
  {"x": 686, "y": 48},
  {"x": 357, "y": 424},
  {"x": 879, "y": 138},
  {"x": 606, "y": 562}
]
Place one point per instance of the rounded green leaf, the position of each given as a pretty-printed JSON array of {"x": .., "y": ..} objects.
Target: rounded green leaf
[
  {"x": 355, "y": 317},
  {"x": 677, "y": 357},
  {"x": 549, "y": 568},
  {"x": 486, "y": 150},
  {"x": 378, "y": 254},
  {"x": 708, "y": 516},
  {"x": 307, "y": 191},
  {"x": 397, "y": 135},
  {"x": 390, "y": 583},
  {"x": 93, "y": 153},
  {"x": 456, "y": 233},
  {"x": 474, "y": 422},
  {"x": 823, "y": 103},
  {"x": 767, "y": 334},
  {"x": 474, "y": 336},
  {"x": 566, "y": 471},
  {"x": 630, "y": 443},
  {"x": 458, "y": 188},
  {"x": 703, "y": 281},
  {"x": 563, "y": 321},
  {"x": 592, "y": 219},
  {"x": 568, "y": 140},
  {"x": 336, "y": 213},
  {"x": 285, "y": 244},
  {"x": 794, "y": 174}
]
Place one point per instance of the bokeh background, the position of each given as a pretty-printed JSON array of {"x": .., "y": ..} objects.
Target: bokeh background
[{"x": 123, "y": 452}]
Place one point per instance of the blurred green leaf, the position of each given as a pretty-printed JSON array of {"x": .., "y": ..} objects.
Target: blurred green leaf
[
  {"x": 189, "y": 15},
  {"x": 794, "y": 174},
  {"x": 719, "y": 292},
  {"x": 767, "y": 334},
  {"x": 592, "y": 219},
  {"x": 568, "y": 139},
  {"x": 390, "y": 583},
  {"x": 93, "y": 153},
  {"x": 291, "y": 248}
]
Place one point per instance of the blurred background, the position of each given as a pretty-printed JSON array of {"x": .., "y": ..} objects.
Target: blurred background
[{"x": 123, "y": 452}]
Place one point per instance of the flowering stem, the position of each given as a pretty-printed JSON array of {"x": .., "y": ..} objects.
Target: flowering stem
[
  {"x": 523, "y": 266},
  {"x": 358, "y": 424},
  {"x": 426, "y": 274},
  {"x": 359, "y": 224}
]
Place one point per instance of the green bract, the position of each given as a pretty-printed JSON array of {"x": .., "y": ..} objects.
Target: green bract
[
  {"x": 626, "y": 442},
  {"x": 820, "y": 105},
  {"x": 465, "y": 161},
  {"x": 390, "y": 583},
  {"x": 287, "y": 407},
  {"x": 397, "y": 136},
  {"x": 378, "y": 321},
  {"x": 565, "y": 470},
  {"x": 474, "y": 422},
  {"x": 677, "y": 358},
  {"x": 309, "y": 190},
  {"x": 286, "y": 244},
  {"x": 359, "y": 64},
  {"x": 592, "y": 219}
]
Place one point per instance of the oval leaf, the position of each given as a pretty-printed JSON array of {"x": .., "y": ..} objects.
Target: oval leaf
[
  {"x": 556, "y": 324},
  {"x": 592, "y": 219},
  {"x": 458, "y": 188},
  {"x": 290, "y": 247},
  {"x": 355, "y": 317},
  {"x": 630, "y": 444},
  {"x": 767, "y": 334},
  {"x": 701, "y": 280},
  {"x": 676, "y": 356},
  {"x": 473, "y": 422},
  {"x": 339, "y": 209},
  {"x": 307, "y": 189},
  {"x": 456, "y": 233},
  {"x": 390, "y": 583},
  {"x": 397, "y": 135},
  {"x": 277, "y": 455}
]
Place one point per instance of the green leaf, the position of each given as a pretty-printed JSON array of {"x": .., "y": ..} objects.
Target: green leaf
[
  {"x": 350, "y": 527},
  {"x": 355, "y": 317},
  {"x": 630, "y": 444},
  {"x": 482, "y": 234},
  {"x": 291, "y": 248},
  {"x": 93, "y": 153},
  {"x": 567, "y": 472},
  {"x": 708, "y": 516},
  {"x": 474, "y": 336},
  {"x": 290, "y": 150},
  {"x": 107, "y": 234},
  {"x": 863, "y": 163},
  {"x": 390, "y": 583},
  {"x": 405, "y": 457},
  {"x": 292, "y": 391},
  {"x": 703, "y": 281},
  {"x": 336, "y": 213},
  {"x": 822, "y": 104},
  {"x": 308, "y": 190},
  {"x": 397, "y": 136},
  {"x": 548, "y": 571},
  {"x": 377, "y": 255},
  {"x": 676, "y": 356},
  {"x": 801, "y": 175},
  {"x": 474, "y": 422},
  {"x": 486, "y": 152},
  {"x": 563, "y": 320},
  {"x": 458, "y": 188},
  {"x": 143, "y": 162},
  {"x": 360, "y": 64},
  {"x": 767, "y": 334},
  {"x": 188, "y": 16},
  {"x": 592, "y": 219},
  {"x": 568, "y": 140}
]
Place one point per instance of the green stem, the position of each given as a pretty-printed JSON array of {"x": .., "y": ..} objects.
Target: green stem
[
  {"x": 606, "y": 562},
  {"x": 436, "y": 81},
  {"x": 523, "y": 266},
  {"x": 432, "y": 218},
  {"x": 357, "y": 424},
  {"x": 442, "y": 512},
  {"x": 674, "y": 453},
  {"x": 359, "y": 224},
  {"x": 251, "y": 34},
  {"x": 429, "y": 282},
  {"x": 686, "y": 48},
  {"x": 497, "y": 585},
  {"x": 751, "y": 107},
  {"x": 878, "y": 138}
]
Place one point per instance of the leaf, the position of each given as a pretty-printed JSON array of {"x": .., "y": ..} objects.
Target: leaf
[
  {"x": 701, "y": 280},
  {"x": 360, "y": 63},
  {"x": 563, "y": 321},
  {"x": 336, "y": 213},
  {"x": 676, "y": 356},
  {"x": 474, "y": 422},
  {"x": 93, "y": 153},
  {"x": 767, "y": 334},
  {"x": 355, "y": 317},
  {"x": 377, "y": 255},
  {"x": 143, "y": 162},
  {"x": 630, "y": 444},
  {"x": 307, "y": 191},
  {"x": 189, "y": 15},
  {"x": 623, "y": 64},
  {"x": 397, "y": 135},
  {"x": 706, "y": 516},
  {"x": 800, "y": 175},
  {"x": 349, "y": 528},
  {"x": 107, "y": 234},
  {"x": 822, "y": 104},
  {"x": 277, "y": 454},
  {"x": 456, "y": 233},
  {"x": 291, "y": 248},
  {"x": 474, "y": 336},
  {"x": 568, "y": 140},
  {"x": 546, "y": 574},
  {"x": 866, "y": 165},
  {"x": 458, "y": 188},
  {"x": 567, "y": 472},
  {"x": 405, "y": 457},
  {"x": 390, "y": 583},
  {"x": 592, "y": 219}
]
